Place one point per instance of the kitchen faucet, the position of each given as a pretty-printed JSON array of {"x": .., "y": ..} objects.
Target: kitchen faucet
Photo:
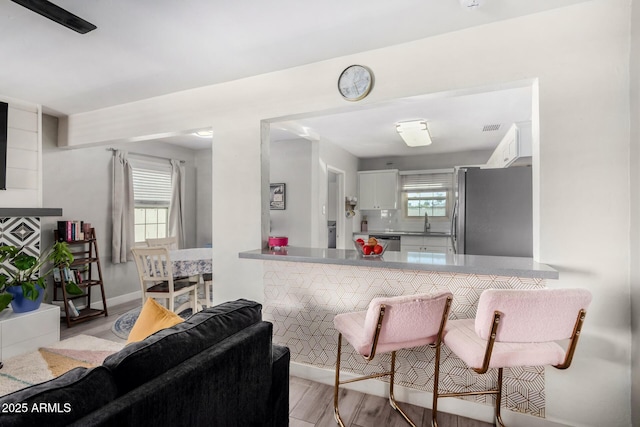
[{"x": 427, "y": 226}]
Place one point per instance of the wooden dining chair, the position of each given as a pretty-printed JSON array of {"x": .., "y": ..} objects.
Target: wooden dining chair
[
  {"x": 207, "y": 283},
  {"x": 168, "y": 242},
  {"x": 391, "y": 324},
  {"x": 204, "y": 280},
  {"x": 516, "y": 327},
  {"x": 155, "y": 271}
]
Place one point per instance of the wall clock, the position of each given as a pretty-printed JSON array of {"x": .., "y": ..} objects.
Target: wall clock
[{"x": 355, "y": 82}]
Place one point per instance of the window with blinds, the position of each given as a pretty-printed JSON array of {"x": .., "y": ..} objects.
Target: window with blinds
[
  {"x": 427, "y": 193},
  {"x": 151, "y": 187},
  {"x": 152, "y": 196}
]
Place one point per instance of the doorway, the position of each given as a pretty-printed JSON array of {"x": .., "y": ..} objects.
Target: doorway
[{"x": 335, "y": 208}]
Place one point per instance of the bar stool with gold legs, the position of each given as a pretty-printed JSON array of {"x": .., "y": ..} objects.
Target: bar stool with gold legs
[
  {"x": 391, "y": 324},
  {"x": 514, "y": 328}
]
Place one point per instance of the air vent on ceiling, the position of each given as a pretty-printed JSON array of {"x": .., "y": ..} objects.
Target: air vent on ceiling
[{"x": 491, "y": 128}]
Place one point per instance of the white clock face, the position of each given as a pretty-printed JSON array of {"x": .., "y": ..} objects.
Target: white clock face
[{"x": 355, "y": 82}]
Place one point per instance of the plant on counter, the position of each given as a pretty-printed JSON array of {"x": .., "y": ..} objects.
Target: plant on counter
[{"x": 18, "y": 269}]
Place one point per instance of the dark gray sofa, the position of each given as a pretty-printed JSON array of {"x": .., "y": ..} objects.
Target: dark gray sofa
[{"x": 218, "y": 368}]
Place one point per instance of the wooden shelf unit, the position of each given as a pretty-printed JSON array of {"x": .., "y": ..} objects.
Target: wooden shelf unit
[{"x": 87, "y": 261}]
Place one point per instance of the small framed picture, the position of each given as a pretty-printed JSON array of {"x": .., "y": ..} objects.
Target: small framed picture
[{"x": 277, "y": 196}]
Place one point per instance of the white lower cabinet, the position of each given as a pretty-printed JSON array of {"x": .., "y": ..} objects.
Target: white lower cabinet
[
  {"x": 438, "y": 245},
  {"x": 22, "y": 333},
  {"x": 411, "y": 243}
]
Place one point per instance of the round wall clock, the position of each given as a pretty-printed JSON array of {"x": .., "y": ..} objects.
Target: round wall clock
[{"x": 355, "y": 82}]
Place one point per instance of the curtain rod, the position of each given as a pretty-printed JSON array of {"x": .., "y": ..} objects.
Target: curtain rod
[{"x": 145, "y": 155}]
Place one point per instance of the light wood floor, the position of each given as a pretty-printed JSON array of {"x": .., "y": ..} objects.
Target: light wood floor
[{"x": 310, "y": 403}]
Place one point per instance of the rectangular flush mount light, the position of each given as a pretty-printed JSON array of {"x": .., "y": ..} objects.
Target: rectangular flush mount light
[{"x": 415, "y": 133}]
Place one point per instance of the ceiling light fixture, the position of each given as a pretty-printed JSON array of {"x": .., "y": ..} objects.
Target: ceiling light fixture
[
  {"x": 471, "y": 4},
  {"x": 204, "y": 133},
  {"x": 415, "y": 133}
]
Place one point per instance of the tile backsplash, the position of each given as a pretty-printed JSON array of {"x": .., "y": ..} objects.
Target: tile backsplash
[
  {"x": 22, "y": 233},
  {"x": 393, "y": 219}
]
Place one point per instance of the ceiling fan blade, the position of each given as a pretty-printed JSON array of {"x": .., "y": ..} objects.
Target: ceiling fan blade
[{"x": 57, "y": 14}]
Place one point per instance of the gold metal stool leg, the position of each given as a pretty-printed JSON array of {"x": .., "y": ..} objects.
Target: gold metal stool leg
[
  {"x": 499, "y": 422},
  {"x": 392, "y": 399},
  {"x": 336, "y": 390},
  {"x": 436, "y": 385}
]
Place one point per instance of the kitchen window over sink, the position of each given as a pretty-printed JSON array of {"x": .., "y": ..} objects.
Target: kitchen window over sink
[
  {"x": 152, "y": 196},
  {"x": 429, "y": 192}
]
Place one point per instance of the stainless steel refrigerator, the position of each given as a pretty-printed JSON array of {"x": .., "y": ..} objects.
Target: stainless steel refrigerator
[{"x": 493, "y": 212}]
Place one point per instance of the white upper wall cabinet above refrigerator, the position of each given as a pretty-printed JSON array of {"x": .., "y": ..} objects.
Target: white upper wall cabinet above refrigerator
[
  {"x": 514, "y": 146},
  {"x": 378, "y": 190}
]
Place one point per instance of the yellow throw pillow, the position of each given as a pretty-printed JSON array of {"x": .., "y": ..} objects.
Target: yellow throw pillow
[{"x": 153, "y": 318}]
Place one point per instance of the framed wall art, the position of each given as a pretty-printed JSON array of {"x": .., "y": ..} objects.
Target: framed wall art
[{"x": 278, "y": 196}]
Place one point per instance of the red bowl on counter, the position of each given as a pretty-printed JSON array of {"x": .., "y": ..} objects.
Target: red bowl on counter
[{"x": 278, "y": 241}]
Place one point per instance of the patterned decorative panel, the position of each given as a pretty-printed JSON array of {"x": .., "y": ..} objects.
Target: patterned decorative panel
[
  {"x": 301, "y": 300},
  {"x": 21, "y": 232}
]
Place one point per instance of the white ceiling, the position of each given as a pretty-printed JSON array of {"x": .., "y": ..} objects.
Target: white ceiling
[
  {"x": 146, "y": 48},
  {"x": 456, "y": 123}
]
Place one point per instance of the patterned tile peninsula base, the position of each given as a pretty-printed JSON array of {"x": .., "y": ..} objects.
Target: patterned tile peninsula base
[{"x": 301, "y": 300}]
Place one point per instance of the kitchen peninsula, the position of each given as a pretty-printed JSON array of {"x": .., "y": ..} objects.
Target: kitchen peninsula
[{"x": 306, "y": 287}]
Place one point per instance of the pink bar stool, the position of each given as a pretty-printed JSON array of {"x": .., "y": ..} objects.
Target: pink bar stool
[
  {"x": 516, "y": 328},
  {"x": 391, "y": 324}
]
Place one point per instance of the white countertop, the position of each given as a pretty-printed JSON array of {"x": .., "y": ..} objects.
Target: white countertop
[{"x": 467, "y": 264}]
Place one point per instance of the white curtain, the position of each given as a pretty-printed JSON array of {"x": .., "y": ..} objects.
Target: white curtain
[
  {"x": 122, "y": 214},
  {"x": 177, "y": 206}
]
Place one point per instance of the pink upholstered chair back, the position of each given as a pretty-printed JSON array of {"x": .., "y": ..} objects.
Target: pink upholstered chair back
[
  {"x": 408, "y": 318},
  {"x": 536, "y": 315}
]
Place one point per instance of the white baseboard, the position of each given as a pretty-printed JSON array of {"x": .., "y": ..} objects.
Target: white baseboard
[
  {"x": 424, "y": 399},
  {"x": 120, "y": 299}
]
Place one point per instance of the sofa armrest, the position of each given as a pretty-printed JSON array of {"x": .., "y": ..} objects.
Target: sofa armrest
[{"x": 279, "y": 393}]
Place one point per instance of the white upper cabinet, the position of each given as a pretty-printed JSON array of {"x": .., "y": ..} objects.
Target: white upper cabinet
[
  {"x": 516, "y": 144},
  {"x": 378, "y": 189}
]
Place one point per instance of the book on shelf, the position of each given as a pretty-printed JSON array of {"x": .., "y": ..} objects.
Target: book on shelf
[
  {"x": 73, "y": 311},
  {"x": 57, "y": 277},
  {"x": 73, "y": 230},
  {"x": 78, "y": 276},
  {"x": 68, "y": 274}
]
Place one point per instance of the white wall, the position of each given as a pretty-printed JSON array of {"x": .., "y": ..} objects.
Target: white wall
[
  {"x": 580, "y": 56},
  {"x": 24, "y": 161},
  {"x": 79, "y": 182},
  {"x": 634, "y": 160},
  {"x": 290, "y": 164},
  {"x": 330, "y": 155},
  {"x": 302, "y": 166},
  {"x": 203, "y": 164}
]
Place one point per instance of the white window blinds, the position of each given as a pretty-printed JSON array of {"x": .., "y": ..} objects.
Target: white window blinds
[
  {"x": 427, "y": 182},
  {"x": 151, "y": 182}
]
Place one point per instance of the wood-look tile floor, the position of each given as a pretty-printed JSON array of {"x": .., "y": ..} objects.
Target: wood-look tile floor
[{"x": 310, "y": 403}]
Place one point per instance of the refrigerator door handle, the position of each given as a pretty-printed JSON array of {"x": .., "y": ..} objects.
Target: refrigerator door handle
[{"x": 454, "y": 222}]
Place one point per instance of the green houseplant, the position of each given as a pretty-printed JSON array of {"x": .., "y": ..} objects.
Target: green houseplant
[{"x": 18, "y": 270}]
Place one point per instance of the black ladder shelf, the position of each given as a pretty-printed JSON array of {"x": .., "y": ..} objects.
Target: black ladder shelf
[{"x": 87, "y": 263}]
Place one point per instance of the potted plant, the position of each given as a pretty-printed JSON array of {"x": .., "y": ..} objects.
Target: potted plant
[{"x": 19, "y": 284}]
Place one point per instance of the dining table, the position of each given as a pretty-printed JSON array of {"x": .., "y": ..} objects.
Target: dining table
[{"x": 191, "y": 262}]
